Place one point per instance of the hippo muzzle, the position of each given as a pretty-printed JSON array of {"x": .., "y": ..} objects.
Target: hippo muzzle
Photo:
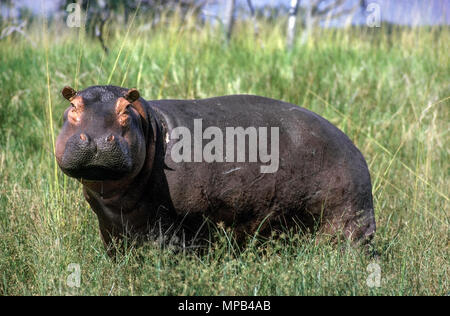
[{"x": 102, "y": 158}]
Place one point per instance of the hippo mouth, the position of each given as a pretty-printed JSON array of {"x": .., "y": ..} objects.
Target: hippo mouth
[{"x": 97, "y": 173}]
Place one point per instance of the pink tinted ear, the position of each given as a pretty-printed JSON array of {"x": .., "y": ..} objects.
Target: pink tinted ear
[
  {"x": 121, "y": 105},
  {"x": 131, "y": 95},
  {"x": 68, "y": 93}
]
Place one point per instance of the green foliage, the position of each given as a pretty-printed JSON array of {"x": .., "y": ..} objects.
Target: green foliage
[{"x": 388, "y": 92}]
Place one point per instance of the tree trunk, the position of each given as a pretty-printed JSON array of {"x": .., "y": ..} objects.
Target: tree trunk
[
  {"x": 309, "y": 22},
  {"x": 254, "y": 20},
  {"x": 291, "y": 23},
  {"x": 229, "y": 18}
]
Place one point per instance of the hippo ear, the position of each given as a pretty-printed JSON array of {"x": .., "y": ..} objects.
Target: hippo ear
[
  {"x": 140, "y": 108},
  {"x": 131, "y": 95},
  {"x": 68, "y": 93}
]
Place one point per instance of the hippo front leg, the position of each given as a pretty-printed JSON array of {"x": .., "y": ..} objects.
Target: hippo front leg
[{"x": 108, "y": 239}]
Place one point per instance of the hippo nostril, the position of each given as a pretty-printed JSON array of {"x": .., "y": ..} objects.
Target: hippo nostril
[
  {"x": 83, "y": 137},
  {"x": 110, "y": 138}
]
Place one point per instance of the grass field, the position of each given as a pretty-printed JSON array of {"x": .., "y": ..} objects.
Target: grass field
[{"x": 388, "y": 91}]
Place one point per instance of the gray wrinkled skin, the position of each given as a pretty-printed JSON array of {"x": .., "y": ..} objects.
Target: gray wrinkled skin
[{"x": 322, "y": 183}]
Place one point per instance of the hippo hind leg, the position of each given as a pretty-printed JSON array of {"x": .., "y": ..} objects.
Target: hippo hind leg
[
  {"x": 345, "y": 201},
  {"x": 359, "y": 226},
  {"x": 354, "y": 222},
  {"x": 345, "y": 210}
]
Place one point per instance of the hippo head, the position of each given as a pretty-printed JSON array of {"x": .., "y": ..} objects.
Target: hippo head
[{"x": 103, "y": 136}]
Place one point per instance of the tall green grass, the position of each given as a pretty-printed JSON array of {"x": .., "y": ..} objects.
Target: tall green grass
[{"x": 389, "y": 91}]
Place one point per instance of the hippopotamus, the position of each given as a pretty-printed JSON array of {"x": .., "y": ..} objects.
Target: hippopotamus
[{"x": 175, "y": 169}]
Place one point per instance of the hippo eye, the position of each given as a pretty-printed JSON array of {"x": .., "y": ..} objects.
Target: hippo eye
[{"x": 73, "y": 106}]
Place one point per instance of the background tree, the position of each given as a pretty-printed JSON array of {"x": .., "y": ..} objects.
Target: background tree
[
  {"x": 292, "y": 21},
  {"x": 99, "y": 12},
  {"x": 228, "y": 20},
  {"x": 5, "y": 7},
  {"x": 313, "y": 12},
  {"x": 317, "y": 11}
]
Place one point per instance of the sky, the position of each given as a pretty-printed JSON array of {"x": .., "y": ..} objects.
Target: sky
[{"x": 409, "y": 12}]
